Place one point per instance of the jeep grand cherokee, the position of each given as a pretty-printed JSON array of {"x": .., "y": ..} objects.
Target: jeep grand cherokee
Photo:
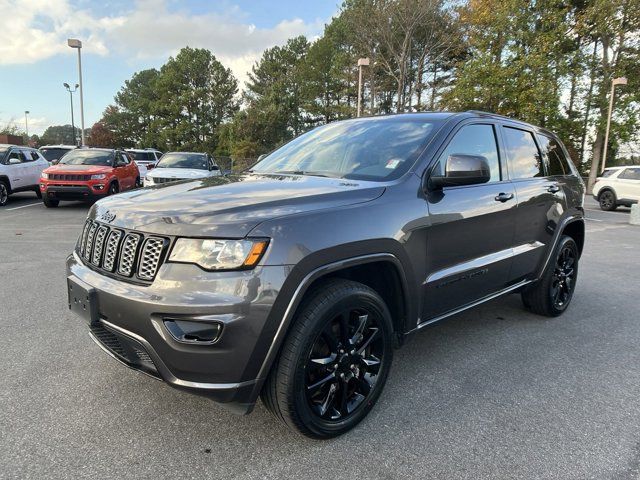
[{"x": 295, "y": 280}]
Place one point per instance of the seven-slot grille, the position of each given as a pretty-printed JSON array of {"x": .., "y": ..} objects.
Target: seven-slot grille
[
  {"x": 69, "y": 177},
  {"x": 124, "y": 253},
  {"x": 166, "y": 179}
]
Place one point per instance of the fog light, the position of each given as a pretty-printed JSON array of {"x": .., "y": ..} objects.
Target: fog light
[
  {"x": 98, "y": 187},
  {"x": 200, "y": 333}
]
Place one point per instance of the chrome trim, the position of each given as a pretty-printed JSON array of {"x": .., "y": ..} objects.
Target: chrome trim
[
  {"x": 483, "y": 261},
  {"x": 164, "y": 372},
  {"x": 471, "y": 305}
]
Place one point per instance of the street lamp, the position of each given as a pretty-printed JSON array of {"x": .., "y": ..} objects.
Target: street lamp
[
  {"x": 26, "y": 124},
  {"x": 73, "y": 125},
  {"x": 75, "y": 43},
  {"x": 362, "y": 62},
  {"x": 614, "y": 82}
]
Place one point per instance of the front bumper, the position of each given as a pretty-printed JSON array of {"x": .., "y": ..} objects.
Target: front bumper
[
  {"x": 73, "y": 192},
  {"x": 131, "y": 328}
]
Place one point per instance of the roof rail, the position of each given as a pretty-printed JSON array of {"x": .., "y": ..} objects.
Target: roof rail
[{"x": 482, "y": 112}]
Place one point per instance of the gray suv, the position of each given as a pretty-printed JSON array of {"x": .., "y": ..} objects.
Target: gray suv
[{"x": 295, "y": 280}]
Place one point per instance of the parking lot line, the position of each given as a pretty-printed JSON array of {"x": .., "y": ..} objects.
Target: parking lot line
[{"x": 23, "y": 206}]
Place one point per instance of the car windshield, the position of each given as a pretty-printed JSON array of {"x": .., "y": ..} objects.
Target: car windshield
[
  {"x": 366, "y": 149},
  {"x": 184, "y": 160},
  {"x": 142, "y": 156},
  {"x": 88, "y": 157},
  {"x": 52, "y": 153},
  {"x": 608, "y": 172}
]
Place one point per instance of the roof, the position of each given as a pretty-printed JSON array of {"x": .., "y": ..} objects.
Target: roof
[
  {"x": 60, "y": 146},
  {"x": 141, "y": 150}
]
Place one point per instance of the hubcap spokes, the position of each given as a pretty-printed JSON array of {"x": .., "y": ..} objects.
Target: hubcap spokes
[
  {"x": 3, "y": 194},
  {"x": 344, "y": 364},
  {"x": 563, "y": 277}
]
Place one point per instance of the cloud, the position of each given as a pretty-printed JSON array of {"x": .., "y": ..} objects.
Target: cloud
[{"x": 33, "y": 30}]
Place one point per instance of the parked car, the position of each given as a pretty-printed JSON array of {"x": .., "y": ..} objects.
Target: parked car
[
  {"x": 20, "y": 169},
  {"x": 53, "y": 153},
  {"x": 295, "y": 280},
  {"x": 617, "y": 186},
  {"x": 88, "y": 174},
  {"x": 175, "y": 166},
  {"x": 147, "y": 156}
]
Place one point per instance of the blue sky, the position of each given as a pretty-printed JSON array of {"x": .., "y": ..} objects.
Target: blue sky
[{"x": 121, "y": 37}]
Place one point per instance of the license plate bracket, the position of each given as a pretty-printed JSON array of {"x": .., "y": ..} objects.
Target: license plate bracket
[{"x": 83, "y": 300}]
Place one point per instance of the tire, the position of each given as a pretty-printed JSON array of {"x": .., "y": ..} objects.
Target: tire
[
  {"x": 38, "y": 192},
  {"x": 113, "y": 189},
  {"x": 307, "y": 393},
  {"x": 4, "y": 193},
  {"x": 608, "y": 200},
  {"x": 552, "y": 293},
  {"x": 50, "y": 202},
  {"x": 137, "y": 184}
]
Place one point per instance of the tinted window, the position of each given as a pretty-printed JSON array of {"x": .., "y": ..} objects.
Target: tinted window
[
  {"x": 630, "y": 174},
  {"x": 473, "y": 140},
  {"x": 52, "y": 154},
  {"x": 28, "y": 156},
  {"x": 16, "y": 154},
  {"x": 522, "y": 153},
  {"x": 88, "y": 157},
  {"x": 607, "y": 173},
  {"x": 142, "y": 156},
  {"x": 368, "y": 149},
  {"x": 198, "y": 161},
  {"x": 551, "y": 149}
]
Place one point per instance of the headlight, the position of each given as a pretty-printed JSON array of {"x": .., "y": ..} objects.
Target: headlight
[
  {"x": 218, "y": 254},
  {"x": 99, "y": 176},
  {"x": 44, "y": 175}
]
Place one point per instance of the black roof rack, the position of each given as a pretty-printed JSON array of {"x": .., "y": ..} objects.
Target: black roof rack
[{"x": 482, "y": 112}]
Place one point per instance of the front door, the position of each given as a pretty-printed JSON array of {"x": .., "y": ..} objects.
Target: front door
[
  {"x": 16, "y": 166},
  {"x": 469, "y": 242}
]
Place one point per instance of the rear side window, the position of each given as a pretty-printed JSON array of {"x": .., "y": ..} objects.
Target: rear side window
[
  {"x": 28, "y": 156},
  {"x": 630, "y": 174},
  {"x": 523, "y": 155},
  {"x": 473, "y": 140},
  {"x": 551, "y": 149}
]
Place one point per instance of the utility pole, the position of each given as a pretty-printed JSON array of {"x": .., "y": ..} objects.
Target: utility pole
[
  {"x": 362, "y": 62},
  {"x": 26, "y": 124},
  {"x": 73, "y": 125},
  {"x": 75, "y": 43},
  {"x": 614, "y": 82}
]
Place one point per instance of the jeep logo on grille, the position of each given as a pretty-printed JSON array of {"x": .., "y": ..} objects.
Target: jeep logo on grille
[{"x": 108, "y": 216}]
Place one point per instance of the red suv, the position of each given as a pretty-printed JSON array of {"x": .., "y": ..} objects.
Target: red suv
[{"x": 88, "y": 174}]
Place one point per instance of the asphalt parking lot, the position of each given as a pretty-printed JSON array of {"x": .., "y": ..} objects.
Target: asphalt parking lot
[{"x": 495, "y": 392}]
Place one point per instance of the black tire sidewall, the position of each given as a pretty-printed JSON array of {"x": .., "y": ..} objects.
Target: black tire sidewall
[
  {"x": 564, "y": 241},
  {"x": 614, "y": 199},
  {"x": 113, "y": 188},
  {"x": 327, "y": 429}
]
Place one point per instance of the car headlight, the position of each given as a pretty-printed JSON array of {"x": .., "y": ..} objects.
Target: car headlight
[
  {"x": 44, "y": 175},
  {"x": 213, "y": 254},
  {"x": 99, "y": 176}
]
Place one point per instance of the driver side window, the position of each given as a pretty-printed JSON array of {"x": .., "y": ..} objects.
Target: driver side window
[{"x": 477, "y": 139}]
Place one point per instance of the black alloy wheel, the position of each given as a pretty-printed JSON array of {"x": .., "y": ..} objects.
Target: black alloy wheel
[
  {"x": 563, "y": 282},
  {"x": 607, "y": 200},
  {"x": 113, "y": 189},
  {"x": 4, "y": 194},
  {"x": 344, "y": 364}
]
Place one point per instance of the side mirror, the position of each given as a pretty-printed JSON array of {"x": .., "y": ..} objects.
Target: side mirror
[
  {"x": 262, "y": 156},
  {"x": 461, "y": 169},
  {"x": 14, "y": 161}
]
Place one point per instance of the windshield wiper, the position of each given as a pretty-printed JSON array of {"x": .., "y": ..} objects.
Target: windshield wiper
[{"x": 306, "y": 172}]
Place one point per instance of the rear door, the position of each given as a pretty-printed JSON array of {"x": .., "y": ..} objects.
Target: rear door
[
  {"x": 628, "y": 184},
  {"x": 540, "y": 200},
  {"x": 33, "y": 166},
  {"x": 470, "y": 239}
]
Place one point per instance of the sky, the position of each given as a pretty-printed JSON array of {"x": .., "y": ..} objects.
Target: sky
[{"x": 122, "y": 37}]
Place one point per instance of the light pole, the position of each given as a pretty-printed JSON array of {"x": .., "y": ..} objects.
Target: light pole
[
  {"x": 362, "y": 62},
  {"x": 26, "y": 124},
  {"x": 75, "y": 43},
  {"x": 73, "y": 125},
  {"x": 614, "y": 82}
]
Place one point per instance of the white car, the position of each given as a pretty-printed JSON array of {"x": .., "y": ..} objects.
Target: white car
[
  {"x": 146, "y": 156},
  {"x": 617, "y": 186},
  {"x": 20, "y": 169},
  {"x": 53, "y": 153},
  {"x": 175, "y": 166}
]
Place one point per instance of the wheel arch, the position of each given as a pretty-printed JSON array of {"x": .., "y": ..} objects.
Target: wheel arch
[
  {"x": 5, "y": 179},
  {"x": 576, "y": 230}
]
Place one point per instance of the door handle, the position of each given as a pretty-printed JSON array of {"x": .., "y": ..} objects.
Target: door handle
[
  {"x": 553, "y": 189},
  {"x": 504, "y": 197}
]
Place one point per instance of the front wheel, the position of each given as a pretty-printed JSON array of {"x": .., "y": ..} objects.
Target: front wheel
[
  {"x": 4, "y": 193},
  {"x": 608, "y": 201},
  {"x": 50, "y": 202},
  {"x": 334, "y": 362},
  {"x": 113, "y": 189},
  {"x": 551, "y": 295}
]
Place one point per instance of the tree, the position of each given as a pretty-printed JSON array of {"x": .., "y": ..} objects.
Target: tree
[
  {"x": 57, "y": 134},
  {"x": 101, "y": 136}
]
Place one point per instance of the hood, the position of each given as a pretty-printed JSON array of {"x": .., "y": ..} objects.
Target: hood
[
  {"x": 229, "y": 207},
  {"x": 178, "y": 173},
  {"x": 79, "y": 169}
]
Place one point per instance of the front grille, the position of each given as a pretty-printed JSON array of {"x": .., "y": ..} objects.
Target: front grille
[
  {"x": 70, "y": 177},
  {"x": 126, "y": 254},
  {"x": 125, "y": 348},
  {"x": 159, "y": 180}
]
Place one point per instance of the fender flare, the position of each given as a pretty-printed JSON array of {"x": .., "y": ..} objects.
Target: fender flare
[{"x": 576, "y": 217}]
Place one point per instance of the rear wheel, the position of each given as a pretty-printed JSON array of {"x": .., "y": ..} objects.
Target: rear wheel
[
  {"x": 4, "y": 193},
  {"x": 50, "y": 202},
  {"x": 334, "y": 362},
  {"x": 608, "y": 201},
  {"x": 551, "y": 295}
]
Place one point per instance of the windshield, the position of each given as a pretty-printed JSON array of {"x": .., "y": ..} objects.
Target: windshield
[
  {"x": 608, "y": 172},
  {"x": 52, "y": 154},
  {"x": 88, "y": 157},
  {"x": 184, "y": 160},
  {"x": 3, "y": 151},
  {"x": 142, "y": 156},
  {"x": 366, "y": 149}
]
